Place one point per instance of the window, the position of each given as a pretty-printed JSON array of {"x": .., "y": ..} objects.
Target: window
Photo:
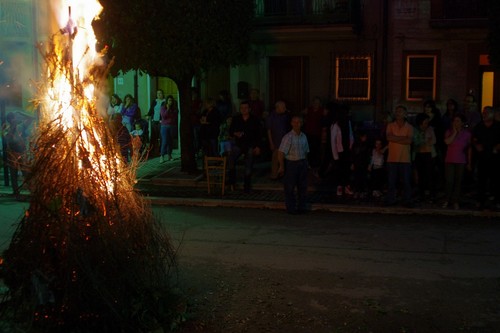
[
  {"x": 420, "y": 77},
  {"x": 353, "y": 78}
]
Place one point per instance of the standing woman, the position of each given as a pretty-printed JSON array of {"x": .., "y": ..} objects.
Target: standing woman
[
  {"x": 458, "y": 153},
  {"x": 449, "y": 113},
  {"x": 168, "y": 128},
  {"x": 341, "y": 139},
  {"x": 115, "y": 106},
  {"x": 154, "y": 117},
  {"x": 129, "y": 112}
]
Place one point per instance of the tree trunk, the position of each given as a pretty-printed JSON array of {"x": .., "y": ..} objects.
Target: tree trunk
[{"x": 188, "y": 160}]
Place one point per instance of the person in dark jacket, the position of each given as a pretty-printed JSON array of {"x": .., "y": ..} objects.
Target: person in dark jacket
[{"x": 247, "y": 133}]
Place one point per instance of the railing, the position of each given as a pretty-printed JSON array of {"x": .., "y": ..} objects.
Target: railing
[
  {"x": 459, "y": 13},
  {"x": 464, "y": 9},
  {"x": 276, "y": 12}
]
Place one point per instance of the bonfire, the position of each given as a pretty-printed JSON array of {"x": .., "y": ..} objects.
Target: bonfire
[{"x": 88, "y": 255}]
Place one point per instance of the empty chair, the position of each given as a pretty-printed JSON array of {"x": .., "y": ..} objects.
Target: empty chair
[{"x": 215, "y": 168}]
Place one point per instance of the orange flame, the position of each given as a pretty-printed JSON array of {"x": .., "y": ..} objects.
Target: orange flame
[{"x": 72, "y": 93}]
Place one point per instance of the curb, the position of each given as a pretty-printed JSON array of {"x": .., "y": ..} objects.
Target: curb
[{"x": 254, "y": 204}]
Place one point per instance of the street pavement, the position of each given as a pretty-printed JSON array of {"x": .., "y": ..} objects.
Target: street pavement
[{"x": 165, "y": 184}]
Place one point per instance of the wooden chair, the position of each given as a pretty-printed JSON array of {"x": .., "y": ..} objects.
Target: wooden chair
[{"x": 215, "y": 169}]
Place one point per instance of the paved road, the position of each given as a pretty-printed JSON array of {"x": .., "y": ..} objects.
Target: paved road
[
  {"x": 342, "y": 272},
  {"x": 402, "y": 246},
  {"x": 441, "y": 272}
]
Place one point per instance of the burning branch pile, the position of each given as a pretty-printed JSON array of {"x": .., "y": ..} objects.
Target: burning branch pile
[{"x": 88, "y": 255}]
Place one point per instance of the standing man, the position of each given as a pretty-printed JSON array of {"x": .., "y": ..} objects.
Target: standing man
[
  {"x": 278, "y": 124},
  {"x": 247, "y": 133},
  {"x": 399, "y": 134},
  {"x": 14, "y": 136},
  {"x": 154, "y": 117},
  {"x": 293, "y": 164},
  {"x": 256, "y": 104},
  {"x": 486, "y": 145}
]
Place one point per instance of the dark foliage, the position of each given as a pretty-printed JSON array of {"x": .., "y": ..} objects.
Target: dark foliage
[{"x": 177, "y": 39}]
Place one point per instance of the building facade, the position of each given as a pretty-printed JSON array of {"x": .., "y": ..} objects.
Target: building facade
[{"x": 371, "y": 55}]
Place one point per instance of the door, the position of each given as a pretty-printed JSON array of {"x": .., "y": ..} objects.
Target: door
[{"x": 288, "y": 82}]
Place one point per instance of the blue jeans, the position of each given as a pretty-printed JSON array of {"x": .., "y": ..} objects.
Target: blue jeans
[
  {"x": 295, "y": 176},
  {"x": 166, "y": 133},
  {"x": 395, "y": 172}
]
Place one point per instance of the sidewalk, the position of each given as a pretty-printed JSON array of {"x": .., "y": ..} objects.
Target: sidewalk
[{"x": 165, "y": 184}]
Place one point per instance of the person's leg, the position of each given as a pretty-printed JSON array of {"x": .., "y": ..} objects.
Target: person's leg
[
  {"x": 249, "y": 160},
  {"x": 163, "y": 145},
  {"x": 274, "y": 164},
  {"x": 302, "y": 174},
  {"x": 450, "y": 183},
  {"x": 14, "y": 178},
  {"x": 213, "y": 147},
  {"x": 405, "y": 171},
  {"x": 155, "y": 137},
  {"x": 289, "y": 186},
  {"x": 482, "y": 180},
  {"x": 232, "y": 159},
  {"x": 458, "y": 174},
  {"x": 392, "y": 177},
  {"x": 169, "y": 141}
]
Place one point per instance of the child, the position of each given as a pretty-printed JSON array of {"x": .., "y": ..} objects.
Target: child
[
  {"x": 377, "y": 168},
  {"x": 225, "y": 140},
  {"x": 136, "y": 135}
]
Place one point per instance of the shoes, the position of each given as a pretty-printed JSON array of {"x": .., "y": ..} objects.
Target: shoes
[
  {"x": 445, "y": 204},
  {"x": 169, "y": 157},
  {"x": 376, "y": 194},
  {"x": 409, "y": 204},
  {"x": 162, "y": 159},
  {"x": 339, "y": 191},
  {"x": 456, "y": 206},
  {"x": 297, "y": 212}
]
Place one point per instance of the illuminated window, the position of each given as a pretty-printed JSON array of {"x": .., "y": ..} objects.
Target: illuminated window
[
  {"x": 353, "y": 78},
  {"x": 421, "y": 77}
]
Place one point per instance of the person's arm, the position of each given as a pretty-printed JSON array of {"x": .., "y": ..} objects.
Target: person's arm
[
  {"x": 281, "y": 163},
  {"x": 401, "y": 139},
  {"x": 333, "y": 141},
  {"x": 432, "y": 137},
  {"x": 270, "y": 139},
  {"x": 450, "y": 136},
  {"x": 151, "y": 110}
]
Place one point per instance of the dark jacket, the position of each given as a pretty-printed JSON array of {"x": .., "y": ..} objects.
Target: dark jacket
[{"x": 252, "y": 132}]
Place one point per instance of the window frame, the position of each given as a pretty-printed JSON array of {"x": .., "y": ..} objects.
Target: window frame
[
  {"x": 407, "y": 78},
  {"x": 367, "y": 78}
]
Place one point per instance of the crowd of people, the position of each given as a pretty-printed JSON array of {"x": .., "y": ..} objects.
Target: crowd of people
[
  {"x": 430, "y": 156},
  {"x": 132, "y": 129}
]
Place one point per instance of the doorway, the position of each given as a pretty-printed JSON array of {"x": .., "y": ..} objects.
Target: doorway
[{"x": 288, "y": 81}]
